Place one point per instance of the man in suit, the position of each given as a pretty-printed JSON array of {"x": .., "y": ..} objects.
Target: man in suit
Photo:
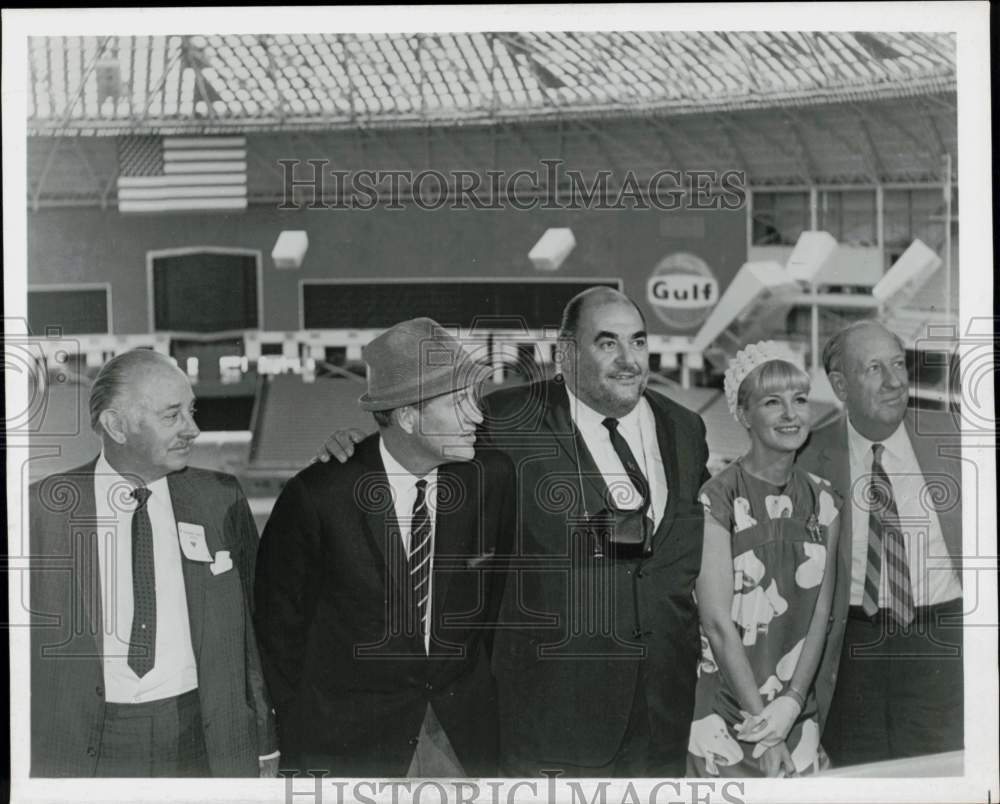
[
  {"x": 896, "y": 631},
  {"x": 376, "y": 579},
  {"x": 144, "y": 662},
  {"x": 597, "y": 645},
  {"x": 597, "y": 651}
]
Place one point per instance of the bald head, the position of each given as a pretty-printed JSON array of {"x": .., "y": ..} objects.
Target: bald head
[
  {"x": 603, "y": 355},
  {"x": 848, "y": 337},
  {"x": 591, "y": 297},
  {"x": 866, "y": 365}
]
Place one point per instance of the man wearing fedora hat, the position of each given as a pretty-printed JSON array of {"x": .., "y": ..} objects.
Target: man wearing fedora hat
[
  {"x": 597, "y": 658},
  {"x": 376, "y": 578}
]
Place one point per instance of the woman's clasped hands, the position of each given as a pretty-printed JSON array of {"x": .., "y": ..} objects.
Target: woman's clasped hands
[{"x": 769, "y": 730}]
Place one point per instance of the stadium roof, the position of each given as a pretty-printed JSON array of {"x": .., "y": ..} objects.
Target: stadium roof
[{"x": 174, "y": 84}]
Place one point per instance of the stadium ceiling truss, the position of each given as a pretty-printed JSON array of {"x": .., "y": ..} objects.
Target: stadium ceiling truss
[{"x": 787, "y": 108}]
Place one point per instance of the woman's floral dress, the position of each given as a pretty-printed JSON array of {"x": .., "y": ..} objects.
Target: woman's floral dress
[{"x": 779, "y": 542}]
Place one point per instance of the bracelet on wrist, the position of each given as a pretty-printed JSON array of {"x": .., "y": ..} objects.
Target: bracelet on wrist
[{"x": 796, "y": 696}]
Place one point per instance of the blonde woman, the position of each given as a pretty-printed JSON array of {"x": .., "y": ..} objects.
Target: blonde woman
[{"x": 766, "y": 585}]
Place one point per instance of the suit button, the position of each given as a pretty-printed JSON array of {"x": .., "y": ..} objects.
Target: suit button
[
  {"x": 91, "y": 751},
  {"x": 99, "y": 691},
  {"x": 638, "y": 573},
  {"x": 413, "y": 741},
  {"x": 429, "y": 687}
]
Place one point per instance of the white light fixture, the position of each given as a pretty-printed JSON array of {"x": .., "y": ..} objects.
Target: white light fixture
[
  {"x": 907, "y": 275},
  {"x": 552, "y": 249},
  {"x": 290, "y": 249},
  {"x": 813, "y": 251}
]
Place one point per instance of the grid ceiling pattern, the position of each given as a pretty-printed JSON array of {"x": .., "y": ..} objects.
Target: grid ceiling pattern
[{"x": 175, "y": 83}]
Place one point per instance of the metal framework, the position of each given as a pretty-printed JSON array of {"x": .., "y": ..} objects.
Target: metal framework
[
  {"x": 884, "y": 104},
  {"x": 199, "y": 84}
]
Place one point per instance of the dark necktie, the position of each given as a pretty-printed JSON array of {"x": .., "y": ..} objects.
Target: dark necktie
[
  {"x": 142, "y": 643},
  {"x": 885, "y": 543},
  {"x": 628, "y": 460},
  {"x": 420, "y": 555}
]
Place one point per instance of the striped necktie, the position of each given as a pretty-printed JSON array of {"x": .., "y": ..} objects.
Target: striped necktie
[
  {"x": 420, "y": 556},
  {"x": 886, "y": 546},
  {"x": 142, "y": 641}
]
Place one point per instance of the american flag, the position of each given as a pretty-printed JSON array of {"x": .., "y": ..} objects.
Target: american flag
[{"x": 175, "y": 174}]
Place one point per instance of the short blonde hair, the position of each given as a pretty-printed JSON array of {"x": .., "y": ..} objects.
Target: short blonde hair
[{"x": 774, "y": 375}]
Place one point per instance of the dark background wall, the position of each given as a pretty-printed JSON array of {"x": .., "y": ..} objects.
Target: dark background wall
[
  {"x": 72, "y": 245},
  {"x": 71, "y": 238}
]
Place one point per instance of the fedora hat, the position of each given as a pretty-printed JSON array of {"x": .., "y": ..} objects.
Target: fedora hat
[{"x": 413, "y": 361}]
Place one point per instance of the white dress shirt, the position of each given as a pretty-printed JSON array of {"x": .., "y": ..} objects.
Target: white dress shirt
[
  {"x": 638, "y": 428},
  {"x": 174, "y": 671},
  {"x": 404, "y": 495},
  {"x": 932, "y": 578}
]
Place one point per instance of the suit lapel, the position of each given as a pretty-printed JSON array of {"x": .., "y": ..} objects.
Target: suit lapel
[
  {"x": 839, "y": 462},
  {"x": 949, "y": 508},
  {"x": 382, "y": 530},
  {"x": 185, "y": 499},
  {"x": 559, "y": 422},
  {"x": 385, "y": 536},
  {"x": 834, "y": 464},
  {"x": 455, "y": 531},
  {"x": 666, "y": 442},
  {"x": 85, "y": 527}
]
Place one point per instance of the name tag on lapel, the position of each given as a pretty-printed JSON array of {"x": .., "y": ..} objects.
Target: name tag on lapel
[{"x": 193, "y": 545}]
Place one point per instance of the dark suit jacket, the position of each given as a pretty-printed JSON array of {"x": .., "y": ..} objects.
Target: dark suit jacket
[
  {"x": 67, "y": 676},
  {"x": 827, "y": 455},
  {"x": 350, "y": 688},
  {"x": 574, "y": 627}
]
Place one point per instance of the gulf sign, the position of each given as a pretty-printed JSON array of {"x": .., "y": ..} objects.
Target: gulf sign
[{"x": 682, "y": 290}]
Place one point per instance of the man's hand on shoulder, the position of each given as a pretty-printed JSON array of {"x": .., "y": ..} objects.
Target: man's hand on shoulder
[{"x": 340, "y": 445}]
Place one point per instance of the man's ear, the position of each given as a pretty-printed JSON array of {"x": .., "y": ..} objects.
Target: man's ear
[
  {"x": 839, "y": 384},
  {"x": 113, "y": 422},
  {"x": 407, "y": 418},
  {"x": 565, "y": 354}
]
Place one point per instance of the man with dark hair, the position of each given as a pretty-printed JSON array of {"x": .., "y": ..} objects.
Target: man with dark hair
[
  {"x": 597, "y": 646},
  {"x": 377, "y": 579},
  {"x": 898, "y": 602},
  {"x": 161, "y": 676}
]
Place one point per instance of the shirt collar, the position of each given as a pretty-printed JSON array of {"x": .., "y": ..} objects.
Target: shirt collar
[
  {"x": 861, "y": 447},
  {"x": 107, "y": 477},
  {"x": 586, "y": 418},
  {"x": 398, "y": 475}
]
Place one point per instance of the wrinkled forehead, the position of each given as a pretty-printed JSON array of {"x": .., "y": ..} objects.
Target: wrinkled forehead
[
  {"x": 615, "y": 316},
  {"x": 158, "y": 386},
  {"x": 871, "y": 343}
]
